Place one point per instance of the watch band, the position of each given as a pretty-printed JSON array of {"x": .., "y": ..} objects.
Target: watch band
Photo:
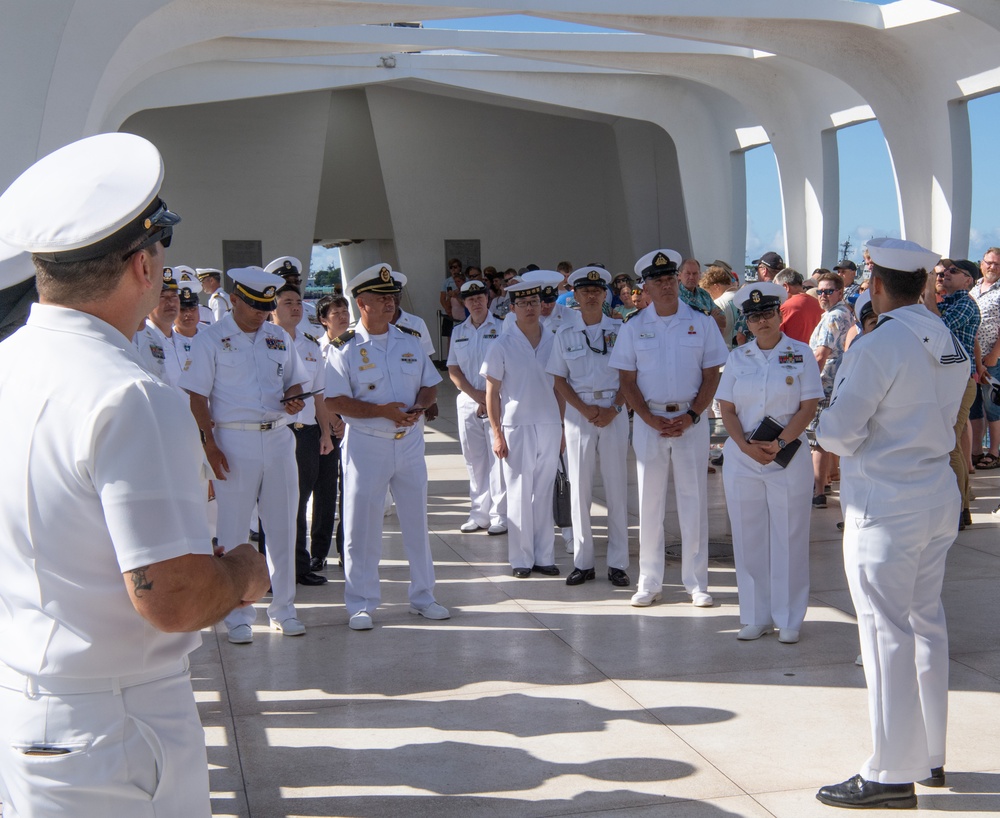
[{"x": 695, "y": 417}]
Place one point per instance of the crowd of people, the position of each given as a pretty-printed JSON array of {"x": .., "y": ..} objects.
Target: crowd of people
[{"x": 177, "y": 422}]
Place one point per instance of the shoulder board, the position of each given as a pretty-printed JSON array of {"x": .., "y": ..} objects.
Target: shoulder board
[
  {"x": 700, "y": 309},
  {"x": 630, "y": 316},
  {"x": 340, "y": 340},
  {"x": 408, "y": 330},
  {"x": 311, "y": 338}
]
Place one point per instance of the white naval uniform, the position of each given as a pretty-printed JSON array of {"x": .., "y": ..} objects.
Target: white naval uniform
[
  {"x": 531, "y": 426},
  {"x": 103, "y": 476},
  {"x": 580, "y": 361},
  {"x": 309, "y": 322},
  {"x": 382, "y": 369},
  {"x": 487, "y": 491},
  {"x": 769, "y": 506},
  {"x": 418, "y": 325},
  {"x": 244, "y": 379},
  {"x": 668, "y": 353},
  {"x": 892, "y": 420},
  {"x": 220, "y": 304},
  {"x": 160, "y": 354}
]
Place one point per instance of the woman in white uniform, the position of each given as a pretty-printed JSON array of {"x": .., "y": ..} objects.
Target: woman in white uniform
[{"x": 773, "y": 376}]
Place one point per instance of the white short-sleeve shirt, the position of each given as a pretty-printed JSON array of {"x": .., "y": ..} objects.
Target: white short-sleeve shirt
[
  {"x": 469, "y": 345},
  {"x": 526, "y": 394},
  {"x": 581, "y": 354}
]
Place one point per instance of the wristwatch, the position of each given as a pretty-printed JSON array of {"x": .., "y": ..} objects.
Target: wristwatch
[
  {"x": 695, "y": 417},
  {"x": 782, "y": 443},
  {"x": 618, "y": 408}
]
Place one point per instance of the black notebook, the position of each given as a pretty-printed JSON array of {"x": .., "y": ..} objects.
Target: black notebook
[{"x": 768, "y": 430}]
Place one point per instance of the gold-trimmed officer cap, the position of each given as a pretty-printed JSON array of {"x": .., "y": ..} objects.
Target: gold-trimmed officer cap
[
  {"x": 169, "y": 282},
  {"x": 380, "y": 279},
  {"x": 759, "y": 296},
  {"x": 208, "y": 272},
  {"x": 188, "y": 285},
  {"x": 285, "y": 266},
  {"x": 902, "y": 255},
  {"x": 658, "y": 263},
  {"x": 255, "y": 287},
  {"x": 590, "y": 277},
  {"x": 473, "y": 287},
  {"x": 86, "y": 198}
]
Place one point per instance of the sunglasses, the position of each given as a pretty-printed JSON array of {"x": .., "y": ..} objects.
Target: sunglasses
[
  {"x": 164, "y": 221},
  {"x": 763, "y": 315},
  {"x": 826, "y": 292}
]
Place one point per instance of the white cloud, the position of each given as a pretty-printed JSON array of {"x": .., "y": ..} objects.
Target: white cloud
[{"x": 323, "y": 257}]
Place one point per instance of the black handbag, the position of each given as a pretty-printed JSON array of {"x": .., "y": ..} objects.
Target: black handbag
[{"x": 562, "y": 506}]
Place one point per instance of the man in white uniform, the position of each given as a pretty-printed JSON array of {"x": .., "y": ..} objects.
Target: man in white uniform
[
  {"x": 219, "y": 301},
  {"x": 669, "y": 355},
  {"x": 380, "y": 381},
  {"x": 470, "y": 341},
  {"x": 156, "y": 339},
  {"x": 892, "y": 421},
  {"x": 106, "y": 572},
  {"x": 290, "y": 269},
  {"x": 243, "y": 379},
  {"x": 596, "y": 426}
]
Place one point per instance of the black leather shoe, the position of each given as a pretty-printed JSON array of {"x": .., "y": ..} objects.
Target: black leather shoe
[
  {"x": 310, "y": 579},
  {"x": 857, "y": 793},
  {"x": 579, "y": 576},
  {"x": 618, "y": 577},
  {"x": 548, "y": 570},
  {"x": 316, "y": 564},
  {"x": 522, "y": 573},
  {"x": 937, "y": 778}
]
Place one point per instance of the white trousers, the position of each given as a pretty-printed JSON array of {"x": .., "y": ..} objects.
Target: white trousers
[
  {"x": 262, "y": 471},
  {"x": 895, "y": 568},
  {"x": 584, "y": 443},
  {"x": 688, "y": 455},
  {"x": 769, "y": 510},
  {"x": 530, "y": 472},
  {"x": 371, "y": 466},
  {"x": 487, "y": 490},
  {"x": 135, "y": 753}
]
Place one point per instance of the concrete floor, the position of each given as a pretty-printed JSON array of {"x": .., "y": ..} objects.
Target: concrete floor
[{"x": 538, "y": 699}]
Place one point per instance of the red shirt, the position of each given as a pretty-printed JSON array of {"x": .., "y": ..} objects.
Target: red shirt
[{"x": 799, "y": 316}]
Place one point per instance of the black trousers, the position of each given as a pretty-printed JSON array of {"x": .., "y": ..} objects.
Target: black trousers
[{"x": 319, "y": 478}]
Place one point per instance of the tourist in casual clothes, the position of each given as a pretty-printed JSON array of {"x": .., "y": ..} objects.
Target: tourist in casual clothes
[{"x": 800, "y": 312}]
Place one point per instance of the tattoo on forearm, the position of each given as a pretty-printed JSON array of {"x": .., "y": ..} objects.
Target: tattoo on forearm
[{"x": 139, "y": 581}]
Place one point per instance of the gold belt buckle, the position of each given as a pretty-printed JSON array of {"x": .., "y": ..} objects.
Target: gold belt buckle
[
  {"x": 298, "y": 427},
  {"x": 671, "y": 407},
  {"x": 400, "y": 434}
]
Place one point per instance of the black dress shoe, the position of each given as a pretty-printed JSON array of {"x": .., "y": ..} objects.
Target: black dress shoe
[
  {"x": 579, "y": 576},
  {"x": 310, "y": 579},
  {"x": 316, "y": 564},
  {"x": 548, "y": 570},
  {"x": 857, "y": 793},
  {"x": 522, "y": 573},
  {"x": 937, "y": 778},
  {"x": 618, "y": 577}
]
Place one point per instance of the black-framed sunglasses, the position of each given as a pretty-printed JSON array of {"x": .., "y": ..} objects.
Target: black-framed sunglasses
[{"x": 161, "y": 218}]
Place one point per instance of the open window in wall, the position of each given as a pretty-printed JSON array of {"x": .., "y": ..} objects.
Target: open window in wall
[
  {"x": 984, "y": 125},
  {"x": 869, "y": 205},
  {"x": 765, "y": 220}
]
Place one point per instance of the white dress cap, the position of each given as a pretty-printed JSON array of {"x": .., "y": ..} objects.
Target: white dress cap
[
  {"x": 596, "y": 276},
  {"x": 652, "y": 259},
  {"x": 543, "y": 278},
  {"x": 758, "y": 296},
  {"x": 187, "y": 277},
  {"x": 81, "y": 196},
  {"x": 256, "y": 287},
  {"x": 15, "y": 266},
  {"x": 473, "y": 287},
  {"x": 899, "y": 254},
  {"x": 379, "y": 278},
  {"x": 205, "y": 272},
  {"x": 285, "y": 265},
  {"x": 863, "y": 300}
]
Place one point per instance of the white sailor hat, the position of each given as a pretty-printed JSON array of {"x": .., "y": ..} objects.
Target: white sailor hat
[
  {"x": 899, "y": 254},
  {"x": 473, "y": 287},
  {"x": 255, "y": 287},
  {"x": 379, "y": 279},
  {"x": 285, "y": 266},
  {"x": 169, "y": 282},
  {"x": 547, "y": 280},
  {"x": 590, "y": 277},
  {"x": 524, "y": 289},
  {"x": 87, "y": 199},
  {"x": 15, "y": 266},
  {"x": 864, "y": 301},
  {"x": 208, "y": 272},
  {"x": 758, "y": 296},
  {"x": 658, "y": 263}
]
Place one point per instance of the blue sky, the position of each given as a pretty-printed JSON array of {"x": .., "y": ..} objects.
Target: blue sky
[{"x": 868, "y": 193}]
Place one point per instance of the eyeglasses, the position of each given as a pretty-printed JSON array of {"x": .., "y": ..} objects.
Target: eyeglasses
[
  {"x": 991, "y": 263},
  {"x": 821, "y": 293},
  {"x": 763, "y": 315},
  {"x": 533, "y": 302}
]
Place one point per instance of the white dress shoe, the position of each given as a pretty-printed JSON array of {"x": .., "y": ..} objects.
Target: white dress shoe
[
  {"x": 432, "y": 611},
  {"x": 788, "y": 636},
  {"x": 496, "y": 528},
  {"x": 289, "y": 627},
  {"x": 701, "y": 600},
  {"x": 641, "y": 599},
  {"x": 469, "y": 526},
  {"x": 361, "y": 621},
  {"x": 750, "y": 632},
  {"x": 241, "y": 635}
]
